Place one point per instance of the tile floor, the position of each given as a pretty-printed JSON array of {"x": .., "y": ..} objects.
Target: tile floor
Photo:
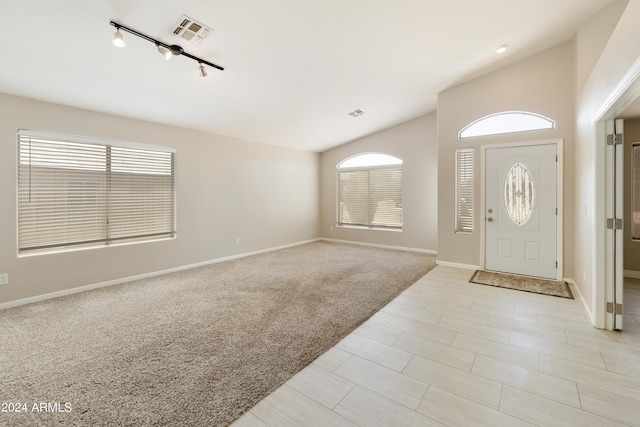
[{"x": 447, "y": 352}]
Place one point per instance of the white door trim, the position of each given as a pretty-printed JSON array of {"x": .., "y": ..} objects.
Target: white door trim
[
  {"x": 559, "y": 195},
  {"x": 623, "y": 94}
]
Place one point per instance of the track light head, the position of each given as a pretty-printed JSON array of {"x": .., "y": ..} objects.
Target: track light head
[
  {"x": 203, "y": 72},
  {"x": 164, "y": 52},
  {"x": 118, "y": 40}
]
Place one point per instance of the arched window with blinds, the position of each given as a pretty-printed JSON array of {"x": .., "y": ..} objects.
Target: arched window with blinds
[{"x": 370, "y": 191}]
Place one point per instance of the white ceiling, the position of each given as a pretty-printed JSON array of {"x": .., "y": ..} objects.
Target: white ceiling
[{"x": 294, "y": 69}]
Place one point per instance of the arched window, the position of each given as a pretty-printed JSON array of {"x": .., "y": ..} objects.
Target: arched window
[
  {"x": 370, "y": 191},
  {"x": 506, "y": 122}
]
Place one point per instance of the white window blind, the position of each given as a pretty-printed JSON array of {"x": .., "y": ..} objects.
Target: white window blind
[
  {"x": 464, "y": 190},
  {"x": 73, "y": 192},
  {"x": 370, "y": 196}
]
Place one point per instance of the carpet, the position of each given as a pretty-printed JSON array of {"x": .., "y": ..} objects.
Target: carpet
[
  {"x": 197, "y": 347},
  {"x": 522, "y": 283}
]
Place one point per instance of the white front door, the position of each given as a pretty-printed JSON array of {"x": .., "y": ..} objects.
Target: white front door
[{"x": 521, "y": 210}]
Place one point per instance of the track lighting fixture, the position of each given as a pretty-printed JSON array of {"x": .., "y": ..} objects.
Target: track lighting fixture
[
  {"x": 165, "y": 50},
  {"x": 203, "y": 72},
  {"x": 117, "y": 39}
]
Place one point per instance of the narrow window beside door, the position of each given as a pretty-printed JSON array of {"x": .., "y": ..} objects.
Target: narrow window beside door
[{"x": 464, "y": 190}]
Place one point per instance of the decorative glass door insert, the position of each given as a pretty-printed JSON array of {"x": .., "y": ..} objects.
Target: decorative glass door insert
[{"x": 519, "y": 194}]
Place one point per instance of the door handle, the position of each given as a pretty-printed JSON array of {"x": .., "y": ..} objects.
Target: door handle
[{"x": 490, "y": 219}]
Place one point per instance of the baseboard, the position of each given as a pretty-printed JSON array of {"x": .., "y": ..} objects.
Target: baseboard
[
  {"x": 458, "y": 265},
  {"x": 399, "y": 248},
  {"x": 79, "y": 289},
  {"x": 576, "y": 290},
  {"x": 632, "y": 274}
]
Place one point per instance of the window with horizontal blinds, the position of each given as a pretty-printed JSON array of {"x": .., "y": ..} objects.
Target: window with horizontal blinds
[
  {"x": 74, "y": 193},
  {"x": 464, "y": 190},
  {"x": 370, "y": 195}
]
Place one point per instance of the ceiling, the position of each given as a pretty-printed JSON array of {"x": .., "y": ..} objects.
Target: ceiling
[{"x": 293, "y": 69}]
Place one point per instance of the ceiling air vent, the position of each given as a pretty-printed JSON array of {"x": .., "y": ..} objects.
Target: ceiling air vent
[
  {"x": 191, "y": 30},
  {"x": 356, "y": 113}
]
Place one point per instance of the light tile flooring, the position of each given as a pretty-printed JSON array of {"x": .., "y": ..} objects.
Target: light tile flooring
[{"x": 447, "y": 352}]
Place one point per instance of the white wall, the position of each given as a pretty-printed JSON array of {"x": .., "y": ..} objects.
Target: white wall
[
  {"x": 415, "y": 142},
  {"x": 226, "y": 188},
  {"x": 591, "y": 39},
  {"x": 541, "y": 84}
]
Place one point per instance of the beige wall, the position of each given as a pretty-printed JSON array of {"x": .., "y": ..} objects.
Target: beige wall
[
  {"x": 592, "y": 38},
  {"x": 415, "y": 143},
  {"x": 226, "y": 188},
  {"x": 631, "y": 247},
  {"x": 541, "y": 84}
]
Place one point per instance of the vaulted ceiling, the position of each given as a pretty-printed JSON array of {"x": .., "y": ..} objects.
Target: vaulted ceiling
[{"x": 294, "y": 69}]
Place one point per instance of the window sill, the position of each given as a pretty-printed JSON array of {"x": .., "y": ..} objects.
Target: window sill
[
  {"x": 89, "y": 247},
  {"x": 365, "y": 227}
]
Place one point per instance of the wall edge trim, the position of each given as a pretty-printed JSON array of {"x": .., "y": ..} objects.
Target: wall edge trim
[
  {"x": 375, "y": 245},
  {"x": 576, "y": 290},
  {"x": 65, "y": 292},
  {"x": 632, "y": 274},
  {"x": 458, "y": 265}
]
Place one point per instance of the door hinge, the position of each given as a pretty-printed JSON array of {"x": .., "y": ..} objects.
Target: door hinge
[
  {"x": 614, "y": 310},
  {"x": 614, "y": 223},
  {"x": 614, "y": 139},
  {"x": 556, "y": 264}
]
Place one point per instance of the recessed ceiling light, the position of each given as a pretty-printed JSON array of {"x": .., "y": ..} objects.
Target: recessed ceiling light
[{"x": 501, "y": 49}]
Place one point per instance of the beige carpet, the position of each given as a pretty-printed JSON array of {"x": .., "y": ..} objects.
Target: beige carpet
[
  {"x": 196, "y": 347},
  {"x": 522, "y": 283}
]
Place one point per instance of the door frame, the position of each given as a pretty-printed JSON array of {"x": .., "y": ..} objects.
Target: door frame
[
  {"x": 624, "y": 93},
  {"x": 558, "y": 142}
]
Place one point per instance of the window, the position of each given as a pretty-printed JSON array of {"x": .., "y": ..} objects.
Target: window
[
  {"x": 519, "y": 194},
  {"x": 370, "y": 191},
  {"x": 75, "y": 191},
  {"x": 635, "y": 195},
  {"x": 464, "y": 190},
  {"x": 507, "y": 122}
]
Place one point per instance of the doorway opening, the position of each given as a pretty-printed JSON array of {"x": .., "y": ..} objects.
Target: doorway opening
[{"x": 612, "y": 218}]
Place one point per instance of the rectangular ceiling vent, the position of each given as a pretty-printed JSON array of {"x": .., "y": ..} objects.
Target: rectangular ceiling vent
[
  {"x": 356, "y": 113},
  {"x": 191, "y": 30}
]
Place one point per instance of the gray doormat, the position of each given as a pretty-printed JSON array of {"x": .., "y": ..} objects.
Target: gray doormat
[{"x": 522, "y": 283}]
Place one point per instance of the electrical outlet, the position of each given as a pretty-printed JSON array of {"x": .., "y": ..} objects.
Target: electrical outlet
[
  {"x": 237, "y": 240},
  {"x": 4, "y": 279}
]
